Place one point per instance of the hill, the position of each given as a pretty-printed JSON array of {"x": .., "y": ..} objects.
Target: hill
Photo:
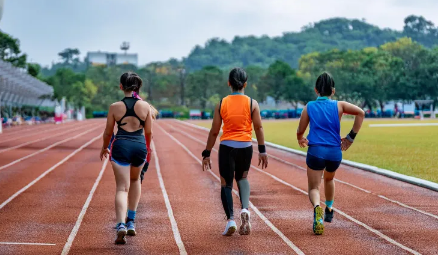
[{"x": 335, "y": 33}]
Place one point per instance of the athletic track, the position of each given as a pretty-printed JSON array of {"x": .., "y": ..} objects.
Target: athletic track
[{"x": 57, "y": 197}]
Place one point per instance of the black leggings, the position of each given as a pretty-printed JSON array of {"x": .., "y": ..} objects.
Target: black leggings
[{"x": 234, "y": 163}]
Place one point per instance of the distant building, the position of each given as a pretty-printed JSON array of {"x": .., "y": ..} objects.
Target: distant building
[{"x": 111, "y": 59}]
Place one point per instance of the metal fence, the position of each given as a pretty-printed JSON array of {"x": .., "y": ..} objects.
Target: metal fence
[{"x": 17, "y": 88}]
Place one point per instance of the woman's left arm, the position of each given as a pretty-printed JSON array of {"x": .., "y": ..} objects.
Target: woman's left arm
[
  {"x": 302, "y": 126},
  {"x": 109, "y": 129}
]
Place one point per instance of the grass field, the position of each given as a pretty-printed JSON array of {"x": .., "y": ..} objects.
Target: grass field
[{"x": 406, "y": 150}]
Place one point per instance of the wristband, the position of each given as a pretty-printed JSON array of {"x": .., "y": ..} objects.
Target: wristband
[
  {"x": 262, "y": 149},
  {"x": 352, "y": 134},
  {"x": 206, "y": 154},
  {"x": 348, "y": 137}
]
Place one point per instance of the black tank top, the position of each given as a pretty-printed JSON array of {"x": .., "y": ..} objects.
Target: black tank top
[{"x": 123, "y": 134}]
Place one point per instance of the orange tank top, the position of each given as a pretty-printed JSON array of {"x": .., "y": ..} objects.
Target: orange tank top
[{"x": 236, "y": 114}]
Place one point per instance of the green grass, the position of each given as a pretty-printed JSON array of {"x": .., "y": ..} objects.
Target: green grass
[{"x": 406, "y": 150}]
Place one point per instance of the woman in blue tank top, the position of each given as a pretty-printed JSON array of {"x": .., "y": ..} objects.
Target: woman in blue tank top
[{"x": 325, "y": 144}]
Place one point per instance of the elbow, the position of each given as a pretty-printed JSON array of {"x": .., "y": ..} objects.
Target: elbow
[{"x": 214, "y": 133}]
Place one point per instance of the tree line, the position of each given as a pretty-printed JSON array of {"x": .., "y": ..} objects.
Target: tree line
[{"x": 395, "y": 69}]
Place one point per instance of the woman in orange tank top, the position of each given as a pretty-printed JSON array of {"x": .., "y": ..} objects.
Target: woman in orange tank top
[{"x": 237, "y": 112}]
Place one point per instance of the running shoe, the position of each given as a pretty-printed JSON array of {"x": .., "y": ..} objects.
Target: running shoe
[
  {"x": 318, "y": 223},
  {"x": 230, "y": 228},
  {"x": 131, "y": 228},
  {"x": 328, "y": 215},
  {"x": 245, "y": 227},
  {"x": 121, "y": 234}
]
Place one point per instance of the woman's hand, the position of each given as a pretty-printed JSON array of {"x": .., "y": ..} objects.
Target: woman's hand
[
  {"x": 263, "y": 159},
  {"x": 149, "y": 155},
  {"x": 303, "y": 142},
  {"x": 206, "y": 164},
  {"x": 345, "y": 144},
  {"x": 104, "y": 153}
]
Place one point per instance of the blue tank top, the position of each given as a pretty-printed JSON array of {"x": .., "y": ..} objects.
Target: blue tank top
[{"x": 324, "y": 135}]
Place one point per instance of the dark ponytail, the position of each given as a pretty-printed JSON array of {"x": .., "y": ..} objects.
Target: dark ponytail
[
  {"x": 325, "y": 84},
  {"x": 131, "y": 82},
  {"x": 237, "y": 78}
]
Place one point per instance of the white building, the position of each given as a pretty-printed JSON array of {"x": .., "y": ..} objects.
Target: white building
[{"x": 110, "y": 59}]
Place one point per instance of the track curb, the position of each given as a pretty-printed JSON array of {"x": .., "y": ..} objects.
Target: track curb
[{"x": 401, "y": 177}]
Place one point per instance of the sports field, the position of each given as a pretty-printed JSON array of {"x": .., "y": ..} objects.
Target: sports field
[{"x": 411, "y": 150}]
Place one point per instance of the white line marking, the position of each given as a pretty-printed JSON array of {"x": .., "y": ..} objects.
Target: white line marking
[
  {"x": 39, "y": 140},
  {"x": 404, "y": 125},
  {"x": 387, "y": 238},
  {"x": 44, "y": 244},
  {"x": 253, "y": 207},
  {"x": 48, "y": 171},
  {"x": 31, "y": 134},
  {"x": 176, "y": 235},
  {"x": 407, "y": 206},
  {"x": 337, "y": 180},
  {"x": 75, "y": 229},
  {"x": 45, "y": 149}
]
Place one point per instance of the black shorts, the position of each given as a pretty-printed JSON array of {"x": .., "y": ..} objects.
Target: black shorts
[
  {"x": 318, "y": 164},
  {"x": 126, "y": 152},
  {"x": 233, "y": 162}
]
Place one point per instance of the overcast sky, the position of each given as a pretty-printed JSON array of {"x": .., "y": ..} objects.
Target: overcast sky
[{"x": 161, "y": 29}]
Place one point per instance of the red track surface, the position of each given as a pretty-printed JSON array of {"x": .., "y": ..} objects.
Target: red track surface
[{"x": 70, "y": 208}]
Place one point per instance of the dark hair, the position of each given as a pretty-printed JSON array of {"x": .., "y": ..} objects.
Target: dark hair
[
  {"x": 131, "y": 82},
  {"x": 237, "y": 78},
  {"x": 325, "y": 84}
]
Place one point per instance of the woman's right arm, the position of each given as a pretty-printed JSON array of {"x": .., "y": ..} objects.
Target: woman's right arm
[
  {"x": 148, "y": 127},
  {"x": 260, "y": 135},
  {"x": 109, "y": 129},
  {"x": 358, "y": 120}
]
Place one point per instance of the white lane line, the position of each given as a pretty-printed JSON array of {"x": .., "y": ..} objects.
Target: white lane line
[
  {"x": 253, "y": 207},
  {"x": 404, "y": 125},
  {"x": 176, "y": 234},
  {"x": 12, "y": 243},
  {"x": 385, "y": 237},
  {"x": 31, "y": 134},
  {"x": 40, "y": 139},
  {"x": 48, "y": 171},
  {"x": 47, "y": 148},
  {"x": 337, "y": 180},
  {"x": 75, "y": 229}
]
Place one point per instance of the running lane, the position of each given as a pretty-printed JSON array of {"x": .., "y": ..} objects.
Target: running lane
[
  {"x": 44, "y": 213},
  {"x": 18, "y": 175},
  {"x": 407, "y": 226},
  {"x": 154, "y": 234},
  {"x": 195, "y": 199}
]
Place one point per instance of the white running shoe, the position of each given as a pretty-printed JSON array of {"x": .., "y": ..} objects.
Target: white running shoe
[
  {"x": 245, "y": 227},
  {"x": 230, "y": 228}
]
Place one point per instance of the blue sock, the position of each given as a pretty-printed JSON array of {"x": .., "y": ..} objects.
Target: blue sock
[
  {"x": 329, "y": 204},
  {"x": 131, "y": 214}
]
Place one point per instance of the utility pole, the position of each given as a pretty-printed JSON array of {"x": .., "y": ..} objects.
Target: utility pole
[{"x": 182, "y": 77}]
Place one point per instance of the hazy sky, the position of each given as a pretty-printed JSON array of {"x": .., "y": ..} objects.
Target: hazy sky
[{"x": 161, "y": 29}]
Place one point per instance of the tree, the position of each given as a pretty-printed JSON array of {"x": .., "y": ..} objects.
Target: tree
[
  {"x": 10, "y": 51},
  {"x": 205, "y": 83},
  {"x": 275, "y": 79},
  {"x": 70, "y": 56},
  {"x": 33, "y": 69}
]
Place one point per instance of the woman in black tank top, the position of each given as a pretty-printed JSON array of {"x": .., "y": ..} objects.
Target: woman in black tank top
[{"x": 128, "y": 151}]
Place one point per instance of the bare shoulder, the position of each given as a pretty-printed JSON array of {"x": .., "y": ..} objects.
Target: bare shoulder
[
  {"x": 143, "y": 104},
  {"x": 116, "y": 105},
  {"x": 255, "y": 103}
]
